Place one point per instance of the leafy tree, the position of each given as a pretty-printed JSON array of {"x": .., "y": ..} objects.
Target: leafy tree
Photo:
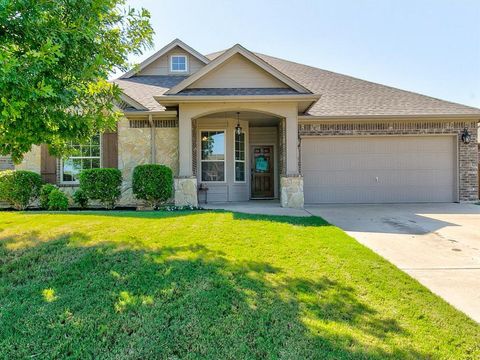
[{"x": 55, "y": 59}]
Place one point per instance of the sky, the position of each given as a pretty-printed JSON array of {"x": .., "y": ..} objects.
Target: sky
[{"x": 427, "y": 46}]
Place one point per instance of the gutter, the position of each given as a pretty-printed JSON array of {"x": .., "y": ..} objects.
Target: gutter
[
  {"x": 445, "y": 117},
  {"x": 162, "y": 99},
  {"x": 157, "y": 113}
]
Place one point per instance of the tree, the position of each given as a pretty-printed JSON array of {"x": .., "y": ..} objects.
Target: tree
[{"x": 55, "y": 59}]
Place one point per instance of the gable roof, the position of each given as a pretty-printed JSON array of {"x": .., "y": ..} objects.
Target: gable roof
[
  {"x": 342, "y": 96},
  {"x": 346, "y": 96},
  {"x": 163, "y": 51},
  {"x": 144, "y": 88},
  {"x": 221, "y": 59}
]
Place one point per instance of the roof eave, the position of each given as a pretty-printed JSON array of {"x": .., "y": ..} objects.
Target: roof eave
[
  {"x": 168, "y": 99},
  {"x": 391, "y": 117}
]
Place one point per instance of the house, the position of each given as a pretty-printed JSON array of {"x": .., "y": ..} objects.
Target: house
[{"x": 251, "y": 126}]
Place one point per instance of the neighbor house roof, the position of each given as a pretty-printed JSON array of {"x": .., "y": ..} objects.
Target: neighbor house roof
[{"x": 341, "y": 95}]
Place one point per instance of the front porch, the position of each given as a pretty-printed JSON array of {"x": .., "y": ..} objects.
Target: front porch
[{"x": 238, "y": 153}]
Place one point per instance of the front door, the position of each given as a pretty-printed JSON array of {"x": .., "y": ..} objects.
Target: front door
[{"x": 262, "y": 172}]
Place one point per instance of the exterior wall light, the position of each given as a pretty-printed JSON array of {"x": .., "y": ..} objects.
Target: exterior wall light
[
  {"x": 238, "y": 128},
  {"x": 466, "y": 137}
]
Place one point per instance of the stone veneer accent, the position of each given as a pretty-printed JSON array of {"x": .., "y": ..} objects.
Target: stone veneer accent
[
  {"x": 31, "y": 160},
  {"x": 134, "y": 148},
  {"x": 186, "y": 191},
  {"x": 291, "y": 192},
  {"x": 467, "y": 153}
]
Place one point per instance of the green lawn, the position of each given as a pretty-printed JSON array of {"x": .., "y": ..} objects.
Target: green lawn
[{"x": 213, "y": 285}]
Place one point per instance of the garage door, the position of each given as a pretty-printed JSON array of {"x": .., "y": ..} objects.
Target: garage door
[{"x": 379, "y": 169}]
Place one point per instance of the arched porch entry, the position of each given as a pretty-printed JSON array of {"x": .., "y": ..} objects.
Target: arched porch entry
[
  {"x": 255, "y": 163},
  {"x": 238, "y": 155}
]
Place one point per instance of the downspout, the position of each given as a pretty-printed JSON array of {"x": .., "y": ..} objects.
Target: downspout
[{"x": 152, "y": 140}]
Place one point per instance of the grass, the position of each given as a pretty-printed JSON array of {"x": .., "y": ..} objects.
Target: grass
[{"x": 212, "y": 285}]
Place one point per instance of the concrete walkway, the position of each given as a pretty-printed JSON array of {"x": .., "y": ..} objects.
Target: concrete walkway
[{"x": 437, "y": 244}]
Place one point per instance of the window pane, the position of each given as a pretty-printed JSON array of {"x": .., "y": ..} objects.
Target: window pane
[
  {"x": 240, "y": 146},
  {"x": 213, "y": 145},
  {"x": 239, "y": 171},
  {"x": 85, "y": 150},
  {"x": 95, "y": 163},
  {"x": 86, "y": 156},
  {"x": 179, "y": 63},
  {"x": 95, "y": 151},
  {"x": 76, "y": 150},
  {"x": 213, "y": 171}
]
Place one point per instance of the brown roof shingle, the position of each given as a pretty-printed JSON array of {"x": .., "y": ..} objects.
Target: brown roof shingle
[{"x": 342, "y": 95}]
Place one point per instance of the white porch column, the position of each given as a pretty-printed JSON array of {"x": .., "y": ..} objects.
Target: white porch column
[
  {"x": 291, "y": 145},
  {"x": 184, "y": 144},
  {"x": 186, "y": 183}
]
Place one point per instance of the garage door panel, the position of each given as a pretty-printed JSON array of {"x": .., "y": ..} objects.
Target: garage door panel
[{"x": 379, "y": 169}]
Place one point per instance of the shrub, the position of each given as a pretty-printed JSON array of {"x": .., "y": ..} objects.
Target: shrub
[
  {"x": 80, "y": 198},
  {"x": 57, "y": 200},
  {"x": 45, "y": 190},
  {"x": 152, "y": 183},
  {"x": 102, "y": 185},
  {"x": 19, "y": 188}
]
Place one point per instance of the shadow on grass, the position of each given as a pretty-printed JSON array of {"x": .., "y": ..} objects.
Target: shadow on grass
[
  {"x": 61, "y": 299},
  {"x": 294, "y": 220}
]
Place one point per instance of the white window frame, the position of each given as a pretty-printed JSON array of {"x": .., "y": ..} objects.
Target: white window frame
[
  {"x": 76, "y": 182},
  {"x": 224, "y": 156},
  {"x": 244, "y": 158},
  {"x": 171, "y": 63}
]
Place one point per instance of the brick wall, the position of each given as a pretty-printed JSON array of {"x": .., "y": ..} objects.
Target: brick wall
[{"x": 467, "y": 153}]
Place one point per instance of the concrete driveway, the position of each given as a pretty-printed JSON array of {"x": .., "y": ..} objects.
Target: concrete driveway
[{"x": 437, "y": 244}]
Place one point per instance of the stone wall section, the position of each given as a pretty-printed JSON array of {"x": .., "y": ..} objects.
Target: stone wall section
[
  {"x": 134, "y": 148},
  {"x": 291, "y": 192},
  {"x": 186, "y": 192},
  {"x": 31, "y": 160}
]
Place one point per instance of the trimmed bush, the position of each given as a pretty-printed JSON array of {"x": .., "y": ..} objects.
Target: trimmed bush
[
  {"x": 80, "y": 198},
  {"x": 152, "y": 183},
  {"x": 45, "y": 191},
  {"x": 102, "y": 185},
  {"x": 19, "y": 187},
  {"x": 57, "y": 200}
]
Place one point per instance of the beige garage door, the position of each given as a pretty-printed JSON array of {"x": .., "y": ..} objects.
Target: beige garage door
[{"x": 379, "y": 169}]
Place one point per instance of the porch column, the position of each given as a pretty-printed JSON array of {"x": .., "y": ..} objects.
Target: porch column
[
  {"x": 184, "y": 144},
  {"x": 291, "y": 184},
  {"x": 185, "y": 183},
  {"x": 291, "y": 145}
]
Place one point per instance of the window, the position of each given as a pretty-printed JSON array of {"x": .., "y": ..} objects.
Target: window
[
  {"x": 86, "y": 156},
  {"x": 240, "y": 157},
  {"x": 212, "y": 156},
  {"x": 178, "y": 63}
]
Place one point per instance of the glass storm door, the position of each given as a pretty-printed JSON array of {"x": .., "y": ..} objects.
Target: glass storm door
[{"x": 262, "y": 172}]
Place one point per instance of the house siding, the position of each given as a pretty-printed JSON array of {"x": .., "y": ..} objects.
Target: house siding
[
  {"x": 467, "y": 153},
  {"x": 238, "y": 72},
  {"x": 161, "y": 66}
]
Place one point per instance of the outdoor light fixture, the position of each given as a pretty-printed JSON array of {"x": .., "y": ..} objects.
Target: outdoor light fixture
[
  {"x": 466, "y": 137},
  {"x": 238, "y": 128}
]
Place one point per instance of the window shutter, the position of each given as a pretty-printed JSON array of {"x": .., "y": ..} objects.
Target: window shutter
[
  {"x": 48, "y": 165},
  {"x": 110, "y": 150}
]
